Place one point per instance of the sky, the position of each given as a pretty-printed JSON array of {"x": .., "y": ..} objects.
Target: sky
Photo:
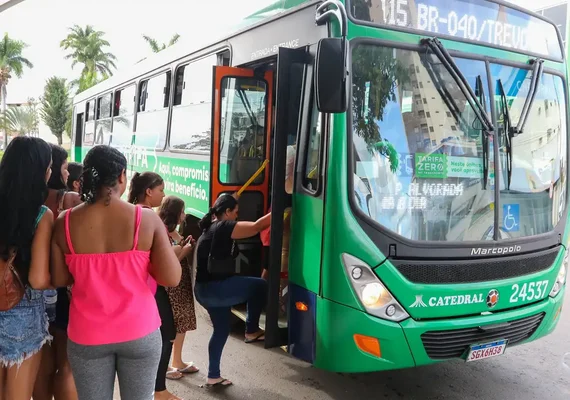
[{"x": 42, "y": 24}]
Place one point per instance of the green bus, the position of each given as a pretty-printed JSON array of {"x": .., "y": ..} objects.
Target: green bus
[{"x": 428, "y": 214}]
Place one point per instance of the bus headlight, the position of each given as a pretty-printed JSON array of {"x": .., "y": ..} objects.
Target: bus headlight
[
  {"x": 371, "y": 293},
  {"x": 561, "y": 278}
]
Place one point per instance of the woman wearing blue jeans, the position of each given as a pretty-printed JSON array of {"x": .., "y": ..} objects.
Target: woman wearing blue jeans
[{"x": 217, "y": 294}]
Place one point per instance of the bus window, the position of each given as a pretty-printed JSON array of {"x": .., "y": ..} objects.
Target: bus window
[
  {"x": 104, "y": 106},
  {"x": 89, "y": 137},
  {"x": 152, "y": 118},
  {"x": 313, "y": 152},
  {"x": 192, "y": 111},
  {"x": 103, "y": 124},
  {"x": 123, "y": 115},
  {"x": 242, "y": 137}
]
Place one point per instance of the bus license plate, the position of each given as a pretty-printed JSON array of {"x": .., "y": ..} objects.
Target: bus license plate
[{"x": 487, "y": 350}]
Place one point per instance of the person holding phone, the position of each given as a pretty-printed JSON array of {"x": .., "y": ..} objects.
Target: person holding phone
[{"x": 181, "y": 297}]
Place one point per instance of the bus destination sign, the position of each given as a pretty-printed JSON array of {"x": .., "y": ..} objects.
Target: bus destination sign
[{"x": 480, "y": 21}]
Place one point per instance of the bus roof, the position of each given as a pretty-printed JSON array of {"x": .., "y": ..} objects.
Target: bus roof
[{"x": 276, "y": 10}]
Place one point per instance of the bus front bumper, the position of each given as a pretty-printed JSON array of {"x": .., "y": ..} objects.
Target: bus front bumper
[{"x": 401, "y": 344}]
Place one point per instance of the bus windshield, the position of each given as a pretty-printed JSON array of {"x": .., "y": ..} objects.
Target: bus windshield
[
  {"x": 534, "y": 200},
  {"x": 421, "y": 155}
]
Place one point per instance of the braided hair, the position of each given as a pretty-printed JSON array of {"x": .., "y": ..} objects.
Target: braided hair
[
  {"x": 102, "y": 167},
  {"x": 223, "y": 203}
]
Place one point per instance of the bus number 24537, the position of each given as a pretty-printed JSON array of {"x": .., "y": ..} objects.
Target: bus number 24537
[{"x": 528, "y": 291}]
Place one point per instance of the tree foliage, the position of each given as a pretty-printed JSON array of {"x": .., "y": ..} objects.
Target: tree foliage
[
  {"x": 20, "y": 121},
  {"x": 32, "y": 109},
  {"x": 376, "y": 76},
  {"x": 156, "y": 47},
  {"x": 55, "y": 106},
  {"x": 87, "y": 48},
  {"x": 11, "y": 59},
  {"x": 13, "y": 62}
]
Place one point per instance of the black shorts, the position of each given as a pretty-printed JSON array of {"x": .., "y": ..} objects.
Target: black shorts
[
  {"x": 167, "y": 329},
  {"x": 62, "y": 309}
]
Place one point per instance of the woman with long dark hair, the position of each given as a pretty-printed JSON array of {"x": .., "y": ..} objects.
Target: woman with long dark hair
[
  {"x": 218, "y": 292},
  {"x": 181, "y": 297},
  {"x": 55, "y": 379},
  {"x": 25, "y": 231},
  {"x": 107, "y": 248}
]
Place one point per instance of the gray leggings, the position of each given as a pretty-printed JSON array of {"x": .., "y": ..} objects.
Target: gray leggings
[{"x": 135, "y": 363}]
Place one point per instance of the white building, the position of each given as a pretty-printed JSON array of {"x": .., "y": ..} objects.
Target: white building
[{"x": 556, "y": 11}]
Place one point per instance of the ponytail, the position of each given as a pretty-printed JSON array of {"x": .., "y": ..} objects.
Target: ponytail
[
  {"x": 140, "y": 183},
  {"x": 206, "y": 221},
  {"x": 134, "y": 190},
  {"x": 223, "y": 203}
]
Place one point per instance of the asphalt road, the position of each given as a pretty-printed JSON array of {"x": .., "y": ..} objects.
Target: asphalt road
[{"x": 531, "y": 371}]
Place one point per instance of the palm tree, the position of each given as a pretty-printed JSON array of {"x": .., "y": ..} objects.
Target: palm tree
[
  {"x": 11, "y": 62},
  {"x": 20, "y": 121},
  {"x": 155, "y": 47},
  {"x": 86, "y": 47}
]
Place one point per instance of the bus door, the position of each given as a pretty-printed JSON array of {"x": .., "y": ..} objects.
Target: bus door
[
  {"x": 291, "y": 66},
  {"x": 242, "y": 110},
  {"x": 77, "y": 141}
]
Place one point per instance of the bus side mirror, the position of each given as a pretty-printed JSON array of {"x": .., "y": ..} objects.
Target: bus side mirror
[{"x": 331, "y": 76}]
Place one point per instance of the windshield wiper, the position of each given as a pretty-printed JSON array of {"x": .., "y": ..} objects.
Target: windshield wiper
[
  {"x": 484, "y": 134},
  {"x": 443, "y": 55},
  {"x": 447, "y": 61},
  {"x": 507, "y": 131},
  {"x": 511, "y": 131},
  {"x": 536, "y": 74}
]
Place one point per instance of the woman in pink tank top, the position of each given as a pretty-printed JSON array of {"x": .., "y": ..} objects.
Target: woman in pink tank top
[{"x": 107, "y": 248}]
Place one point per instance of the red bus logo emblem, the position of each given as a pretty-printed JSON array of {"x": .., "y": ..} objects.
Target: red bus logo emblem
[{"x": 493, "y": 298}]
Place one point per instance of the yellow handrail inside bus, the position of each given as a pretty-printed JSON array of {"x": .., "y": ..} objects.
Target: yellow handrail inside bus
[{"x": 255, "y": 175}]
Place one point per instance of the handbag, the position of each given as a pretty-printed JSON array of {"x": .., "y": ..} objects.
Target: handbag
[
  {"x": 12, "y": 289},
  {"x": 221, "y": 267}
]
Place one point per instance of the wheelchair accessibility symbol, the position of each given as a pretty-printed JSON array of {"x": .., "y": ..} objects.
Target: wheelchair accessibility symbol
[{"x": 511, "y": 217}]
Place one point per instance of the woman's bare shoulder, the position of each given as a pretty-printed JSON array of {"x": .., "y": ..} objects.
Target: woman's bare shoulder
[
  {"x": 71, "y": 200},
  {"x": 150, "y": 218}
]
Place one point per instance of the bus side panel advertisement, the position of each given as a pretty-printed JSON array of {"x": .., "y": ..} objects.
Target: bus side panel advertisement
[{"x": 186, "y": 178}]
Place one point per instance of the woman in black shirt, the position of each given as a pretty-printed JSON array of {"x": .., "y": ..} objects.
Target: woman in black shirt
[{"x": 216, "y": 293}]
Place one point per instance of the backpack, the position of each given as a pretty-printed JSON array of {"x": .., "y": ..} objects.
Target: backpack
[{"x": 12, "y": 288}]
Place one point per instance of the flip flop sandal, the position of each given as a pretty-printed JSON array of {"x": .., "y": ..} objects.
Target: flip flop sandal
[
  {"x": 259, "y": 338},
  {"x": 224, "y": 383},
  {"x": 190, "y": 369},
  {"x": 174, "y": 375}
]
